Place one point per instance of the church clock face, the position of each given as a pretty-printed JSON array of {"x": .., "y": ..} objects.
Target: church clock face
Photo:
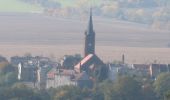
[{"x": 90, "y": 44}]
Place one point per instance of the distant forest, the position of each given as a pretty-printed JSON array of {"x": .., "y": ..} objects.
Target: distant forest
[{"x": 153, "y": 12}]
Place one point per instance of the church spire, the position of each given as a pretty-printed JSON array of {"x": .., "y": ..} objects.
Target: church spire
[
  {"x": 90, "y": 37},
  {"x": 90, "y": 24}
]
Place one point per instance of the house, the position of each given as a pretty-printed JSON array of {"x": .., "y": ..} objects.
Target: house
[
  {"x": 152, "y": 70},
  {"x": 33, "y": 69},
  {"x": 156, "y": 69},
  {"x": 141, "y": 69},
  {"x": 27, "y": 73},
  {"x": 163, "y": 68},
  {"x": 62, "y": 77},
  {"x": 15, "y": 60},
  {"x": 113, "y": 71},
  {"x": 168, "y": 67},
  {"x": 83, "y": 80}
]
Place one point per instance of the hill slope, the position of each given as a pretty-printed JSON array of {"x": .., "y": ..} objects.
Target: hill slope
[{"x": 18, "y": 6}]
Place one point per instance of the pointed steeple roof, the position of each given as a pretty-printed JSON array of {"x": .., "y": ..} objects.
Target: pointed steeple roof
[{"x": 90, "y": 24}]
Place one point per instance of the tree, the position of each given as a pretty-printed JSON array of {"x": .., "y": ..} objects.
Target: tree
[
  {"x": 3, "y": 59},
  {"x": 68, "y": 93},
  {"x": 73, "y": 93},
  {"x": 97, "y": 95},
  {"x": 127, "y": 88},
  {"x": 106, "y": 89},
  {"x": 43, "y": 94},
  {"x": 8, "y": 76},
  {"x": 123, "y": 88},
  {"x": 148, "y": 92},
  {"x": 18, "y": 92},
  {"x": 167, "y": 96},
  {"x": 162, "y": 85},
  {"x": 3, "y": 63},
  {"x": 71, "y": 60},
  {"x": 100, "y": 73}
]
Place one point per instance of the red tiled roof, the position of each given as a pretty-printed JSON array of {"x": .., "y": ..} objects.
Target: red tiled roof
[
  {"x": 66, "y": 72},
  {"x": 82, "y": 62},
  {"x": 51, "y": 75}
]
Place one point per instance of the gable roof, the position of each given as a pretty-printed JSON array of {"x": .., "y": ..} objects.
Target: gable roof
[
  {"x": 83, "y": 61},
  {"x": 87, "y": 61}
]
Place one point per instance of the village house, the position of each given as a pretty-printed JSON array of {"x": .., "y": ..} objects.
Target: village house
[
  {"x": 156, "y": 69},
  {"x": 63, "y": 77},
  {"x": 141, "y": 69},
  {"x": 32, "y": 70},
  {"x": 151, "y": 70}
]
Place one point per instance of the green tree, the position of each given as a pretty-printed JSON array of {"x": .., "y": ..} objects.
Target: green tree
[
  {"x": 148, "y": 92},
  {"x": 17, "y": 92},
  {"x": 71, "y": 93},
  {"x": 162, "y": 85},
  {"x": 71, "y": 60},
  {"x": 123, "y": 88},
  {"x": 126, "y": 88},
  {"x": 100, "y": 73},
  {"x": 68, "y": 93},
  {"x": 97, "y": 95},
  {"x": 8, "y": 75},
  {"x": 167, "y": 96},
  {"x": 43, "y": 94}
]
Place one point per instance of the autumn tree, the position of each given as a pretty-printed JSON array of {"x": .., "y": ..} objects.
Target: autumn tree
[{"x": 162, "y": 85}]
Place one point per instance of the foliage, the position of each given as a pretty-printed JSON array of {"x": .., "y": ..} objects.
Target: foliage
[
  {"x": 70, "y": 93},
  {"x": 128, "y": 88},
  {"x": 152, "y": 12},
  {"x": 3, "y": 64},
  {"x": 17, "y": 6},
  {"x": 7, "y": 73},
  {"x": 167, "y": 95},
  {"x": 123, "y": 88},
  {"x": 3, "y": 59},
  {"x": 100, "y": 73},
  {"x": 70, "y": 61},
  {"x": 148, "y": 91},
  {"x": 162, "y": 85},
  {"x": 19, "y": 91},
  {"x": 44, "y": 3}
]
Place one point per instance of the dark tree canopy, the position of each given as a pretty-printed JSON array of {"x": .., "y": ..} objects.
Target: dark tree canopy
[{"x": 162, "y": 84}]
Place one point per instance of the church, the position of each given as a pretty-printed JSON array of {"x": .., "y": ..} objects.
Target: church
[{"x": 90, "y": 62}]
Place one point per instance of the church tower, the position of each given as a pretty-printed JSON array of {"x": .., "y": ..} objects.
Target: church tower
[{"x": 89, "y": 38}]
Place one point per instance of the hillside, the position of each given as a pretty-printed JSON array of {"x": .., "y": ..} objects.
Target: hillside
[
  {"x": 155, "y": 13},
  {"x": 18, "y": 6},
  {"x": 40, "y": 29}
]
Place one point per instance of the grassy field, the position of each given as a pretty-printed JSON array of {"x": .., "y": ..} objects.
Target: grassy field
[
  {"x": 44, "y": 35},
  {"x": 39, "y": 29},
  {"x": 18, "y": 6},
  {"x": 106, "y": 53}
]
